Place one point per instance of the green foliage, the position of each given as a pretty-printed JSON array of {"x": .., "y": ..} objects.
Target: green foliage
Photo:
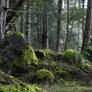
[
  {"x": 18, "y": 34},
  {"x": 73, "y": 57},
  {"x": 45, "y": 74},
  {"x": 28, "y": 57}
]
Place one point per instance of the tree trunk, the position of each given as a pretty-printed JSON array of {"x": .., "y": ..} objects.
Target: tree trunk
[
  {"x": 87, "y": 26},
  {"x": 45, "y": 27},
  {"x": 38, "y": 27},
  {"x": 79, "y": 30},
  {"x": 67, "y": 33},
  {"x": 59, "y": 28},
  {"x": 22, "y": 23},
  {"x": 3, "y": 17},
  {"x": 28, "y": 22}
]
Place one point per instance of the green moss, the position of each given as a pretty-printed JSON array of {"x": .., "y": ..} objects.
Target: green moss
[
  {"x": 62, "y": 74},
  {"x": 73, "y": 57},
  {"x": 28, "y": 57},
  {"x": 45, "y": 74},
  {"x": 44, "y": 53},
  {"x": 18, "y": 34},
  {"x": 18, "y": 88},
  {"x": 15, "y": 85},
  {"x": 40, "y": 54}
]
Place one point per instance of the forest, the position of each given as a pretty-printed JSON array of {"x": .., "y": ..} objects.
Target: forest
[{"x": 45, "y": 46}]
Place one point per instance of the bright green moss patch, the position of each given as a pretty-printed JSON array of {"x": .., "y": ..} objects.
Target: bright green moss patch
[
  {"x": 28, "y": 57},
  {"x": 18, "y": 34},
  {"x": 45, "y": 74},
  {"x": 73, "y": 57},
  {"x": 19, "y": 88}
]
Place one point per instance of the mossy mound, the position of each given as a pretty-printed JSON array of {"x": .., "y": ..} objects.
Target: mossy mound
[
  {"x": 27, "y": 57},
  {"x": 46, "y": 53},
  {"x": 45, "y": 74},
  {"x": 73, "y": 57}
]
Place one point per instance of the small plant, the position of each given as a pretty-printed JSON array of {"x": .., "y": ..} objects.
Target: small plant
[
  {"x": 73, "y": 57},
  {"x": 45, "y": 74}
]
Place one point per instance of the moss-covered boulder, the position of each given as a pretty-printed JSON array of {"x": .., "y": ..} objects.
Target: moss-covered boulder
[
  {"x": 73, "y": 57},
  {"x": 16, "y": 51},
  {"x": 44, "y": 74},
  {"x": 27, "y": 57}
]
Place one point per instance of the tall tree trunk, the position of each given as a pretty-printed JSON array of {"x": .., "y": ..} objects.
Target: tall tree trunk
[
  {"x": 83, "y": 19},
  {"x": 67, "y": 33},
  {"x": 22, "y": 22},
  {"x": 87, "y": 26},
  {"x": 38, "y": 26},
  {"x": 59, "y": 28},
  {"x": 79, "y": 29},
  {"x": 3, "y": 17},
  {"x": 28, "y": 22},
  {"x": 45, "y": 26}
]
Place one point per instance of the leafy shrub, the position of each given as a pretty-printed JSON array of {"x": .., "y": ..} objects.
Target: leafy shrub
[
  {"x": 45, "y": 74},
  {"x": 18, "y": 34},
  {"x": 73, "y": 57}
]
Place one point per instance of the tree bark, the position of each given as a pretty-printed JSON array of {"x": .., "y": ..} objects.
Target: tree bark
[
  {"x": 3, "y": 17},
  {"x": 45, "y": 26},
  {"x": 38, "y": 27},
  {"x": 87, "y": 26},
  {"x": 59, "y": 28},
  {"x": 67, "y": 33},
  {"x": 28, "y": 22},
  {"x": 22, "y": 23}
]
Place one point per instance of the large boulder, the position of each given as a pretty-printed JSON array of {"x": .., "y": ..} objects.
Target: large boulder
[{"x": 15, "y": 50}]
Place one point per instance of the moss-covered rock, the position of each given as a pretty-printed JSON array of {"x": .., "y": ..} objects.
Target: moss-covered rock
[
  {"x": 17, "y": 52},
  {"x": 44, "y": 74},
  {"x": 73, "y": 57},
  {"x": 27, "y": 57},
  {"x": 17, "y": 34}
]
